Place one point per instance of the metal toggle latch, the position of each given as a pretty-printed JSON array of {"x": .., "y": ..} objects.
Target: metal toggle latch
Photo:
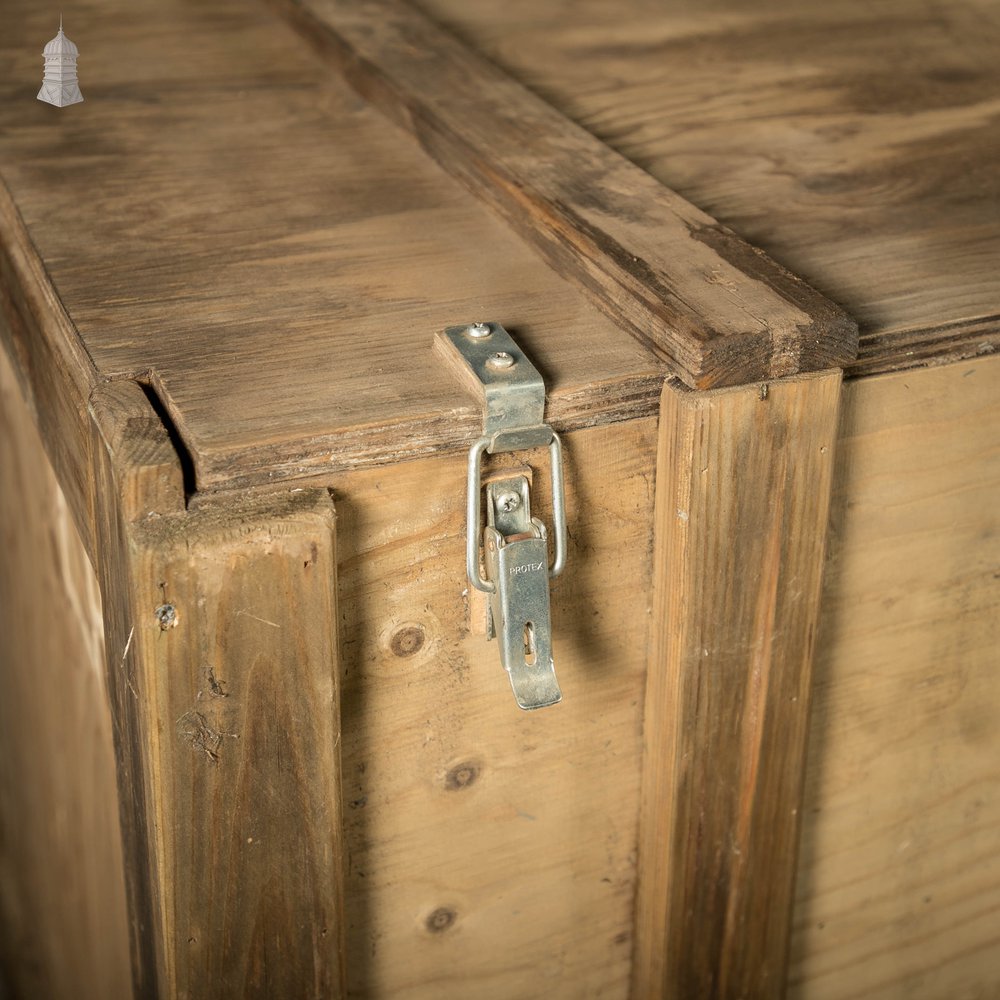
[{"x": 514, "y": 544}]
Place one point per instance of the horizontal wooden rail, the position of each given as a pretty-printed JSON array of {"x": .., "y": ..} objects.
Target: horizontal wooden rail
[{"x": 717, "y": 309}]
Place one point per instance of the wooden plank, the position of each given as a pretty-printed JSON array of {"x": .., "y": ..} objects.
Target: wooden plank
[
  {"x": 62, "y": 888},
  {"x": 719, "y": 311},
  {"x": 828, "y": 136},
  {"x": 223, "y": 678},
  {"x": 136, "y": 474},
  {"x": 743, "y": 484},
  {"x": 244, "y": 734},
  {"x": 899, "y": 869},
  {"x": 290, "y": 254},
  {"x": 491, "y": 850},
  {"x": 49, "y": 361}
]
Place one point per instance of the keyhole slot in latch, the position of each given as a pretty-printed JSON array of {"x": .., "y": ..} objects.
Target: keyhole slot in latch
[{"x": 530, "y": 653}]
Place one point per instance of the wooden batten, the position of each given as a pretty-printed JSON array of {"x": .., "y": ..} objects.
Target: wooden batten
[
  {"x": 136, "y": 475},
  {"x": 718, "y": 310},
  {"x": 743, "y": 487},
  {"x": 223, "y": 678}
]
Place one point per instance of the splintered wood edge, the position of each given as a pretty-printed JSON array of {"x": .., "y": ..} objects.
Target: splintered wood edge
[{"x": 720, "y": 311}]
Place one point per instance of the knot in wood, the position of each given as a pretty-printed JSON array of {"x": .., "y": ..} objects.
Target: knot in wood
[{"x": 407, "y": 641}]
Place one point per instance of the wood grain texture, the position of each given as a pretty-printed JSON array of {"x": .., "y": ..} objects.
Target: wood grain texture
[
  {"x": 49, "y": 361},
  {"x": 224, "y": 219},
  {"x": 719, "y": 311},
  {"x": 856, "y": 143},
  {"x": 223, "y": 677},
  {"x": 63, "y": 923},
  {"x": 126, "y": 438},
  {"x": 899, "y": 871},
  {"x": 492, "y": 851},
  {"x": 743, "y": 485},
  {"x": 146, "y": 479},
  {"x": 244, "y": 735}
]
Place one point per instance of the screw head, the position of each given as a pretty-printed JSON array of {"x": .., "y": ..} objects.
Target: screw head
[
  {"x": 508, "y": 502},
  {"x": 166, "y": 615},
  {"x": 500, "y": 360},
  {"x": 480, "y": 330}
]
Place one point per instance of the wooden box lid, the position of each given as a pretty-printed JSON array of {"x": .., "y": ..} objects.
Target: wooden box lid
[{"x": 226, "y": 221}]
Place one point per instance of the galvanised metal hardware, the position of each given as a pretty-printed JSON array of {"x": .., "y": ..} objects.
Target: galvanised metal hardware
[
  {"x": 514, "y": 543},
  {"x": 516, "y": 551}
]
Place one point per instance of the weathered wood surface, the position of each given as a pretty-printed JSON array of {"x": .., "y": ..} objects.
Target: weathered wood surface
[
  {"x": 238, "y": 160},
  {"x": 224, "y": 671},
  {"x": 63, "y": 923},
  {"x": 56, "y": 375},
  {"x": 719, "y": 311},
  {"x": 492, "y": 851},
  {"x": 899, "y": 871},
  {"x": 224, "y": 218},
  {"x": 743, "y": 489},
  {"x": 136, "y": 476},
  {"x": 856, "y": 143}
]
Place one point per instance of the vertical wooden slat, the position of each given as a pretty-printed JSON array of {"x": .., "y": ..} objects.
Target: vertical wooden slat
[
  {"x": 743, "y": 486},
  {"x": 136, "y": 476},
  {"x": 221, "y": 625}
]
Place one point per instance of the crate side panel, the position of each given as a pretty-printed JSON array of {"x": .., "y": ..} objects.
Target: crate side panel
[
  {"x": 899, "y": 872},
  {"x": 491, "y": 852},
  {"x": 62, "y": 892}
]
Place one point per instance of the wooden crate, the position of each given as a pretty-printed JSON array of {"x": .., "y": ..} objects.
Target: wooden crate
[{"x": 255, "y": 742}]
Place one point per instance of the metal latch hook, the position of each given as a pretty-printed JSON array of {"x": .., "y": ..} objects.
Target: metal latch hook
[{"x": 474, "y": 510}]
